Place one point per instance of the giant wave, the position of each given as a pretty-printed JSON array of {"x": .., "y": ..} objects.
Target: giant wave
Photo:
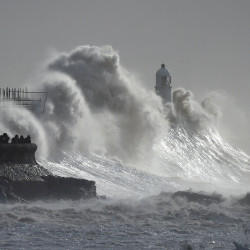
[
  {"x": 101, "y": 123},
  {"x": 167, "y": 176}
]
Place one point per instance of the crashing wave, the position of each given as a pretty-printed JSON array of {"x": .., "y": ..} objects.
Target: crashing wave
[{"x": 96, "y": 107}]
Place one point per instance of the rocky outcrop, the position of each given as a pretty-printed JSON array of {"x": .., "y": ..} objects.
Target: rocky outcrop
[
  {"x": 49, "y": 187},
  {"x": 23, "y": 179}
]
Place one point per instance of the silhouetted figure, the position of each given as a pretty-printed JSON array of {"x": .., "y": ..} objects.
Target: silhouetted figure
[
  {"x": 1, "y": 139},
  {"x": 21, "y": 140},
  {"x": 15, "y": 139},
  {"x": 5, "y": 138},
  {"x": 27, "y": 139}
]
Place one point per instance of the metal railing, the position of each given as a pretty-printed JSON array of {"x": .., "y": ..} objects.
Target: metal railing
[{"x": 22, "y": 97}]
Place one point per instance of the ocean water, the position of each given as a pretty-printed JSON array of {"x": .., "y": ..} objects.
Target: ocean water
[
  {"x": 165, "y": 177},
  {"x": 158, "y": 222},
  {"x": 138, "y": 209}
]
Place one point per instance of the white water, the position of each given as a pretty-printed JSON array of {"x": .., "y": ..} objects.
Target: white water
[{"x": 101, "y": 124}]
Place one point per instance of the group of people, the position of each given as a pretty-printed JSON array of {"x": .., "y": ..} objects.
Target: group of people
[
  {"x": 4, "y": 138},
  {"x": 13, "y": 93}
]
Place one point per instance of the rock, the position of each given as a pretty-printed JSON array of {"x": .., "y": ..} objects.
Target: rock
[{"x": 23, "y": 179}]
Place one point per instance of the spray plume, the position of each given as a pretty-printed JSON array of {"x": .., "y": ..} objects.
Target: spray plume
[{"x": 95, "y": 105}]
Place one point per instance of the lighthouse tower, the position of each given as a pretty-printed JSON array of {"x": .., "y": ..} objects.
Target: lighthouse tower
[{"x": 163, "y": 84}]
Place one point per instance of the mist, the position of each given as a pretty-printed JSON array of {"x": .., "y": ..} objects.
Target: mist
[{"x": 94, "y": 105}]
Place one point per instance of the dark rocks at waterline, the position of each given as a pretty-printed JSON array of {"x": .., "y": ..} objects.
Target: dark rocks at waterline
[
  {"x": 22, "y": 178},
  {"x": 245, "y": 200},
  {"x": 49, "y": 187},
  {"x": 198, "y": 197}
]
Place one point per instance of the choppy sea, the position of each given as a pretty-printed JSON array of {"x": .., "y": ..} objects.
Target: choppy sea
[{"x": 197, "y": 201}]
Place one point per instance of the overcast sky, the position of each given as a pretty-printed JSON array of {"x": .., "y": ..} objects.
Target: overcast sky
[{"x": 204, "y": 43}]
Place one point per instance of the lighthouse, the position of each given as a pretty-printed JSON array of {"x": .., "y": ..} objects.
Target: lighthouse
[{"x": 163, "y": 84}]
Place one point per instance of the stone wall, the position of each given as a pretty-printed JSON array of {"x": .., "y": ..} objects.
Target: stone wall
[{"x": 18, "y": 153}]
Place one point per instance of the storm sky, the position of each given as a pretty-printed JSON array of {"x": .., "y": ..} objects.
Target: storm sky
[{"x": 204, "y": 44}]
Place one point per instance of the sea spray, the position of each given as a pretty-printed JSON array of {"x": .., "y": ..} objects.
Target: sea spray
[
  {"x": 20, "y": 121},
  {"x": 128, "y": 124},
  {"x": 94, "y": 104},
  {"x": 95, "y": 107}
]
